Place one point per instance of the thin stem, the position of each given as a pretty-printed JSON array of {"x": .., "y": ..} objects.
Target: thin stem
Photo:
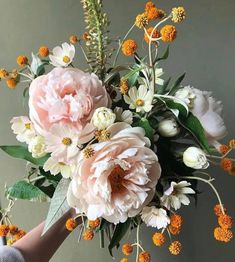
[
  {"x": 219, "y": 157},
  {"x": 137, "y": 242},
  {"x": 35, "y": 179},
  {"x": 84, "y": 53},
  {"x": 120, "y": 45},
  {"x": 138, "y": 245}
]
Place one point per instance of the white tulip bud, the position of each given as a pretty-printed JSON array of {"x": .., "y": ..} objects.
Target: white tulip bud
[
  {"x": 37, "y": 147},
  {"x": 195, "y": 158},
  {"x": 168, "y": 127},
  {"x": 103, "y": 117}
]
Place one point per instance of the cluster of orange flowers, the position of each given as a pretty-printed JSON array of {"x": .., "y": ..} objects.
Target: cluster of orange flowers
[
  {"x": 127, "y": 250},
  {"x": 223, "y": 233},
  {"x": 12, "y": 232},
  {"x": 167, "y": 33},
  {"x": 227, "y": 163}
]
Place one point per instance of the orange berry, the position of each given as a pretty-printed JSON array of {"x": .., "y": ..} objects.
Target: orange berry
[
  {"x": 3, "y": 73},
  {"x": 21, "y": 233},
  {"x": 223, "y": 235},
  {"x": 173, "y": 230},
  {"x": 88, "y": 235},
  {"x": 218, "y": 211},
  {"x": 226, "y": 164},
  {"x": 4, "y": 229},
  {"x": 86, "y": 36},
  {"x": 94, "y": 223},
  {"x": 13, "y": 230},
  {"x": 71, "y": 224},
  {"x": 155, "y": 34},
  {"x": 43, "y": 51},
  {"x": 129, "y": 47},
  {"x": 144, "y": 257},
  {"x": 223, "y": 149},
  {"x": 158, "y": 239},
  {"x": 175, "y": 248},
  {"x": 11, "y": 83},
  {"x": 73, "y": 39},
  {"x": 232, "y": 143},
  {"x": 225, "y": 221},
  {"x": 176, "y": 221},
  {"x": 127, "y": 249},
  {"x": 22, "y": 60},
  {"x": 168, "y": 33}
]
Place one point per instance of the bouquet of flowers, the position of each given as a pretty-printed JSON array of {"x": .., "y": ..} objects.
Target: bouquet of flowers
[{"x": 117, "y": 142}]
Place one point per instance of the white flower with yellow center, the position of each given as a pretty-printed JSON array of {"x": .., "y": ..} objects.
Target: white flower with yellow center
[
  {"x": 23, "y": 128},
  {"x": 37, "y": 147},
  {"x": 123, "y": 115},
  {"x": 103, "y": 117},
  {"x": 58, "y": 167},
  {"x": 139, "y": 99},
  {"x": 62, "y": 56}
]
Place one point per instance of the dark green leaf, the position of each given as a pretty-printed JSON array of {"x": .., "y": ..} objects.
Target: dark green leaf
[
  {"x": 149, "y": 131},
  {"x": 22, "y": 152},
  {"x": 162, "y": 89},
  {"x": 165, "y": 55},
  {"x": 182, "y": 110},
  {"x": 176, "y": 85}
]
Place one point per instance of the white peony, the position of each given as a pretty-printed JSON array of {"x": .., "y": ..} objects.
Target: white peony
[
  {"x": 168, "y": 127},
  {"x": 103, "y": 117},
  {"x": 37, "y": 147},
  {"x": 195, "y": 158},
  {"x": 155, "y": 217},
  {"x": 123, "y": 115}
]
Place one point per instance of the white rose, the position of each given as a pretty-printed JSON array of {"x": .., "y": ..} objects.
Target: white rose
[
  {"x": 168, "y": 127},
  {"x": 103, "y": 117},
  {"x": 187, "y": 95},
  {"x": 37, "y": 147},
  {"x": 195, "y": 158}
]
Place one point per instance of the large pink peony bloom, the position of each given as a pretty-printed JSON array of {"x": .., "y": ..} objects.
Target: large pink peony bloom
[
  {"x": 66, "y": 96},
  {"x": 119, "y": 179}
]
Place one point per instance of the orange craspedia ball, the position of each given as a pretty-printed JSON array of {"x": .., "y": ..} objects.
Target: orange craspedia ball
[
  {"x": 153, "y": 13},
  {"x": 149, "y": 5},
  {"x": 176, "y": 221},
  {"x": 144, "y": 257},
  {"x": 86, "y": 36},
  {"x": 21, "y": 233},
  {"x": 223, "y": 235},
  {"x": 173, "y": 230},
  {"x": 168, "y": 33},
  {"x": 124, "y": 260},
  {"x": 71, "y": 224},
  {"x": 127, "y": 249},
  {"x": 43, "y": 51},
  {"x": 223, "y": 149},
  {"x": 232, "y": 143},
  {"x": 225, "y": 221},
  {"x": 94, "y": 223},
  {"x": 175, "y": 248},
  {"x": 4, "y": 229},
  {"x": 158, "y": 239},
  {"x": 11, "y": 83},
  {"x": 129, "y": 47},
  {"x": 88, "y": 235},
  {"x": 218, "y": 210},
  {"x": 226, "y": 164},
  {"x": 155, "y": 34},
  {"x": 22, "y": 60},
  {"x": 73, "y": 39},
  {"x": 141, "y": 20},
  {"x": 13, "y": 230},
  {"x": 3, "y": 73}
]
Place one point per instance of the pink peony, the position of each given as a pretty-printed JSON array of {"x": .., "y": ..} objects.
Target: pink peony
[
  {"x": 66, "y": 96},
  {"x": 119, "y": 179}
]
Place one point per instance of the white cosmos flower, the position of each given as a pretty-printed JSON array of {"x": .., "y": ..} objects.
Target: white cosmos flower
[
  {"x": 23, "y": 128},
  {"x": 62, "y": 56},
  {"x": 123, "y": 115},
  {"x": 37, "y": 147},
  {"x": 56, "y": 167},
  {"x": 103, "y": 117},
  {"x": 175, "y": 195},
  {"x": 62, "y": 142},
  {"x": 139, "y": 99},
  {"x": 195, "y": 158},
  {"x": 155, "y": 217}
]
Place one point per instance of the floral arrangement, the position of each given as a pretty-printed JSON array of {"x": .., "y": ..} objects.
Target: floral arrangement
[{"x": 122, "y": 146}]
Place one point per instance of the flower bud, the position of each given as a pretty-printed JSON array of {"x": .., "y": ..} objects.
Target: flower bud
[
  {"x": 195, "y": 158},
  {"x": 103, "y": 117},
  {"x": 168, "y": 127},
  {"x": 37, "y": 147}
]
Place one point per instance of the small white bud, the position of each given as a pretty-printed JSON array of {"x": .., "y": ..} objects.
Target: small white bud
[
  {"x": 195, "y": 158},
  {"x": 168, "y": 127},
  {"x": 103, "y": 117}
]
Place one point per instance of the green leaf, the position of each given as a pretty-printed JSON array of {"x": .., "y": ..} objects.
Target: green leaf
[
  {"x": 149, "y": 131},
  {"x": 165, "y": 55},
  {"x": 120, "y": 231},
  {"x": 161, "y": 89},
  {"x": 22, "y": 152},
  {"x": 58, "y": 206},
  {"x": 25, "y": 190},
  {"x": 179, "y": 110},
  {"x": 176, "y": 85}
]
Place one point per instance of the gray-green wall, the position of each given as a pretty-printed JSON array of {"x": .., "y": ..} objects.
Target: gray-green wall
[{"x": 204, "y": 49}]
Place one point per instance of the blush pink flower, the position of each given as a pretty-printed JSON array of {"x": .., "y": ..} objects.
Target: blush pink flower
[
  {"x": 66, "y": 96},
  {"x": 119, "y": 179}
]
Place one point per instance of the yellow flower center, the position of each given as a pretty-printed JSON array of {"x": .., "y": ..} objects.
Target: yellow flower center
[
  {"x": 61, "y": 163},
  {"x": 66, "y": 59},
  {"x": 27, "y": 125},
  {"x": 116, "y": 178},
  {"x": 139, "y": 102},
  {"x": 67, "y": 141}
]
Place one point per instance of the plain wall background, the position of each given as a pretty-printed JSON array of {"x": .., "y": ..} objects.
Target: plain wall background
[{"x": 204, "y": 49}]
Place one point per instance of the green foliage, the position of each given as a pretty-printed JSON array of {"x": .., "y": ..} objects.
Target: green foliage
[
  {"x": 165, "y": 55},
  {"x": 176, "y": 85},
  {"x": 149, "y": 131}
]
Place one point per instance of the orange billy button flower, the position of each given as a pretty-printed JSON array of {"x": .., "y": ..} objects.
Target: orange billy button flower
[
  {"x": 156, "y": 34},
  {"x": 176, "y": 221},
  {"x": 21, "y": 233},
  {"x": 144, "y": 257},
  {"x": 158, "y": 239},
  {"x": 178, "y": 14},
  {"x": 149, "y": 5},
  {"x": 124, "y": 260},
  {"x": 154, "y": 13},
  {"x": 71, "y": 224},
  {"x": 11, "y": 83},
  {"x": 218, "y": 210},
  {"x": 223, "y": 149},
  {"x": 4, "y": 229},
  {"x": 168, "y": 33},
  {"x": 3, "y": 73},
  {"x": 232, "y": 143},
  {"x": 129, "y": 47},
  {"x": 175, "y": 248},
  {"x": 141, "y": 20},
  {"x": 225, "y": 221},
  {"x": 173, "y": 230},
  {"x": 86, "y": 36},
  {"x": 43, "y": 51},
  {"x": 88, "y": 235},
  {"x": 94, "y": 223},
  {"x": 226, "y": 164},
  {"x": 223, "y": 235},
  {"x": 73, "y": 39},
  {"x": 127, "y": 249},
  {"x": 13, "y": 230},
  {"x": 22, "y": 60},
  {"x": 124, "y": 87}
]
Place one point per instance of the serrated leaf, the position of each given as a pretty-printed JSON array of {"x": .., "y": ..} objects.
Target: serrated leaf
[
  {"x": 22, "y": 152},
  {"x": 176, "y": 85},
  {"x": 58, "y": 206}
]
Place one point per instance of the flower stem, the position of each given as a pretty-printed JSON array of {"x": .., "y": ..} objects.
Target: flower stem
[{"x": 137, "y": 242}]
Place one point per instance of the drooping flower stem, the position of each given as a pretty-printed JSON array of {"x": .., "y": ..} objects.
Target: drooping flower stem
[{"x": 137, "y": 242}]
